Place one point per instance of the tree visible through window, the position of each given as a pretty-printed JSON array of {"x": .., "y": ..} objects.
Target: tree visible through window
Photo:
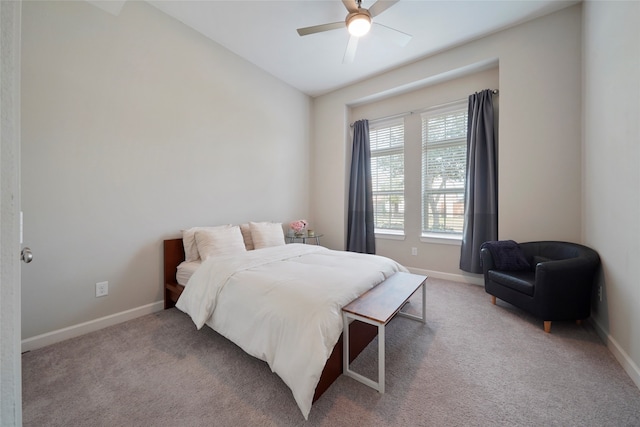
[
  {"x": 387, "y": 174},
  {"x": 444, "y": 153}
]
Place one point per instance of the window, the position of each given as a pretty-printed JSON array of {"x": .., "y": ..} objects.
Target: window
[
  {"x": 444, "y": 156},
  {"x": 387, "y": 175}
]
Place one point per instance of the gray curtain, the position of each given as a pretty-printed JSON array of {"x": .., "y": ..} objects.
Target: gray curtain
[
  {"x": 481, "y": 195},
  {"x": 360, "y": 227}
]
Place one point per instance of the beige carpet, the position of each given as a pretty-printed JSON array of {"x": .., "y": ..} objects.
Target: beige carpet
[{"x": 472, "y": 364}]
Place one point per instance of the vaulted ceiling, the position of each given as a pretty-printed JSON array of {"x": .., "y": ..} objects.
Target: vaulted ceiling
[{"x": 264, "y": 32}]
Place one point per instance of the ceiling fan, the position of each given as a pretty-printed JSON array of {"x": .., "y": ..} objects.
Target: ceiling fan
[{"x": 359, "y": 22}]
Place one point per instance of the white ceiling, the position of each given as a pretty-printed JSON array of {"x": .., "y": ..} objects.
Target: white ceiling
[{"x": 264, "y": 32}]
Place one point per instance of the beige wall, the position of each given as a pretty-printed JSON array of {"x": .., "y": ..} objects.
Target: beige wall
[
  {"x": 134, "y": 127},
  {"x": 612, "y": 170},
  {"x": 539, "y": 135}
]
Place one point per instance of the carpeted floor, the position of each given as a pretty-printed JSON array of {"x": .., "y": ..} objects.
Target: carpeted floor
[{"x": 472, "y": 364}]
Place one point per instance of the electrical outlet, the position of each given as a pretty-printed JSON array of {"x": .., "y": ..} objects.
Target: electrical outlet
[
  {"x": 102, "y": 289},
  {"x": 414, "y": 251},
  {"x": 600, "y": 292}
]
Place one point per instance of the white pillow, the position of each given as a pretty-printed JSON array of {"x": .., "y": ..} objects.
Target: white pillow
[
  {"x": 189, "y": 242},
  {"x": 266, "y": 234},
  {"x": 246, "y": 235},
  {"x": 219, "y": 241}
]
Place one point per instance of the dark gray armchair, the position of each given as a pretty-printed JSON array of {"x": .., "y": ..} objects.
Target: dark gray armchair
[{"x": 551, "y": 280}]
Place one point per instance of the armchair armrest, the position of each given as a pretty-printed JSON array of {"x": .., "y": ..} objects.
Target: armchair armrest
[
  {"x": 565, "y": 272},
  {"x": 565, "y": 283},
  {"x": 486, "y": 260}
]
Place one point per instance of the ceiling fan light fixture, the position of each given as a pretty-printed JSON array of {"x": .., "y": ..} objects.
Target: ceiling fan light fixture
[{"x": 359, "y": 24}]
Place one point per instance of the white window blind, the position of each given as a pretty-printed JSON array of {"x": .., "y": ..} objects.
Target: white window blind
[
  {"x": 387, "y": 174},
  {"x": 444, "y": 156}
]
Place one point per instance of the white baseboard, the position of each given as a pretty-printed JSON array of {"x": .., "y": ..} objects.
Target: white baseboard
[
  {"x": 618, "y": 352},
  {"x": 460, "y": 278},
  {"x": 90, "y": 326}
]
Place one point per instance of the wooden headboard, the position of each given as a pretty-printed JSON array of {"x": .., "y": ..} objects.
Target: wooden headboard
[{"x": 173, "y": 256}]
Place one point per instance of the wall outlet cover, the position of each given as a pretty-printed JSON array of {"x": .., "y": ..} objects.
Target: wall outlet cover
[{"x": 102, "y": 289}]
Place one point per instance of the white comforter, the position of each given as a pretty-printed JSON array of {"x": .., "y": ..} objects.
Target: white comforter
[{"x": 283, "y": 305}]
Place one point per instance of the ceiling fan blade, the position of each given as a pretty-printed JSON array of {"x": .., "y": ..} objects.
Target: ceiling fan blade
[
  {"x": 351, "y": 5},
  {"x": 321, "y": 28},
  {"x": 380, "y": 6},
  {"x": 396, "y": 36},
  {"x": 350, "y": 52}
]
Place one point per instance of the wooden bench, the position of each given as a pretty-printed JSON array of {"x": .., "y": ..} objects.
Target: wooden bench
[{"x": 377, "y": 307}]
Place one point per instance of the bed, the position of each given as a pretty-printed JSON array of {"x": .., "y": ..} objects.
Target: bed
[{"x": 224, "y": 292}]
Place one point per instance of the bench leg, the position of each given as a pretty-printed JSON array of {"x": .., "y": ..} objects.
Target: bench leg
[
  {"x": 381, "y": 373},
  {"x": 424, "y": 302},
  {"x": 423, "y": 317},
  {"x": 346, "y": 370},
  {"x": 345, "y": 344}
]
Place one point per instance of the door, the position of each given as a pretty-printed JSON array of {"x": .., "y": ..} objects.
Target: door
[{"x": 10, "y": 334}]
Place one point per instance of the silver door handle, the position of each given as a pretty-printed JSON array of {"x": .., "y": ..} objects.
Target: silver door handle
[{"x": 26, "y": 255}]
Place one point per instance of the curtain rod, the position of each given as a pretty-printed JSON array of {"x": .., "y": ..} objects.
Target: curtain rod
[{"x": 408, "y": 113}]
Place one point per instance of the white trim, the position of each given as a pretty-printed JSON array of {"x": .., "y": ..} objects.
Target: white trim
[
  {"x": 390, "y": 235},
  {"x": 384, "y": 122},
  {"x": 460, "y": 278},
  {"x": 436, "y": 110},
  {"x": 618, "y": 352},
  {"x": 90, "y": 326}
]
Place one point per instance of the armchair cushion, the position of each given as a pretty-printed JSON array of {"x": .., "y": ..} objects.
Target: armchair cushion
[
  {"x": 507, "y": 255},
  {"x": 521, "y": 281}
]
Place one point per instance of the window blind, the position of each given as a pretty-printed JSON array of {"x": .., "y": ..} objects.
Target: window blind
[
  {"x": 387, "y": 174},
  {"x": 444, "y": 155}
]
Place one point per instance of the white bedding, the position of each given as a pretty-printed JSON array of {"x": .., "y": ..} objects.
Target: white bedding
[
  {"x": 283, "y": 305},
  {"x": 185, "y": 270}
]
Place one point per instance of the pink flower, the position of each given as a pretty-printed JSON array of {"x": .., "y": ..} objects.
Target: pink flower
[{"x": 298, "y": 225}]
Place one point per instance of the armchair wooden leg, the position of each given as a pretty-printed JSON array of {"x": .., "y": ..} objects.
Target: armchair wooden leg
[
  {"x": 579, "y": 322},
  {"x": 547, "y": 326},
  {"x": 493, "y": 299}
]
